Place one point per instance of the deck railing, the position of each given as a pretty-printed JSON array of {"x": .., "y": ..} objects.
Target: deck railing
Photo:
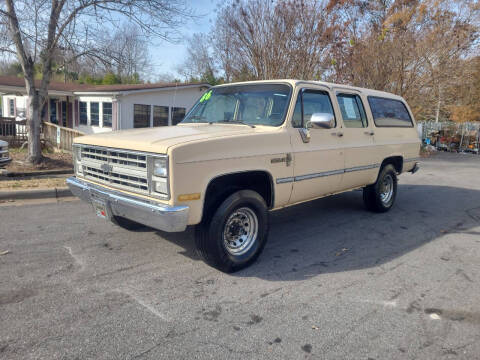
[
  {"x": 59, "y": 136},
  {"x": 13, "y": 131}
]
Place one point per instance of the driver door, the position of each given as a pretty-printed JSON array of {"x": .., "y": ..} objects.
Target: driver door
[{"x": 319, "y": 160}]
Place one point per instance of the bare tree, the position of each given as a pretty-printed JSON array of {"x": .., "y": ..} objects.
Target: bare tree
[
  {"x": 259, "y": 39},
  {"x": 200, "y": 60},
  {"x": 130, "y": 54},
  {"x": 72, "y": 28}
]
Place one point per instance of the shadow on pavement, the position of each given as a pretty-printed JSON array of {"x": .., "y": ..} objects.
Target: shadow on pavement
[{"x": 336, "y": 234}]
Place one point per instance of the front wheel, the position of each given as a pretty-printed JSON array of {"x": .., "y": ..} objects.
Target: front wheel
[
  {"x": 380, "y": 196},
  {"x": 235, "y": 235}
]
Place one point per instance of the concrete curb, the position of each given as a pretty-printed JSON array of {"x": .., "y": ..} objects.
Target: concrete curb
[{"x": 53, "y": 193}]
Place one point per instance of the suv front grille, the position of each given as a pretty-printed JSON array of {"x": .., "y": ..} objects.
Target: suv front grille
[{"x": 117, "y": 168}]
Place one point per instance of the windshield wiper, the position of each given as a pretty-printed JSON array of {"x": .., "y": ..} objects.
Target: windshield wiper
[{"x": 234, "y": 122}]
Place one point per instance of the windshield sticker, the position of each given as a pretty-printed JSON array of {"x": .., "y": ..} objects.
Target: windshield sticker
[{"x": 206, "y": 96}]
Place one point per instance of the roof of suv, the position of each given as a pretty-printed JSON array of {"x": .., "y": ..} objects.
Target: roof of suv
[{"x": 328, "y": 85}]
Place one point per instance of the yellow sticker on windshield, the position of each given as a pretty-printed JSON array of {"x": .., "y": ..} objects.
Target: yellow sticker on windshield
[{"x": 206, "y": 96}]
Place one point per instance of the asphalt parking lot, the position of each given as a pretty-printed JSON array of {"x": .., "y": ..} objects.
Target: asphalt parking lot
[{"x": 334, "y": 281}]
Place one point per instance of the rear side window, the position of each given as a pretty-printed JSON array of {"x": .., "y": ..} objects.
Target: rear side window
[
  {"x": 389, "y": 112},
  {"x": 352, "y": 111}
]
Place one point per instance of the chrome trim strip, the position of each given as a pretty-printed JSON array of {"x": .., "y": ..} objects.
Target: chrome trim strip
[
  {"x": 148, "y": 212},
  {"x": 321, "y": 174},
  {"x": 326, "y": 173},
  {"x": 285, "y": 180},
  {"x": 360, "y": 168},
  {"x": 136, "y": 152}
]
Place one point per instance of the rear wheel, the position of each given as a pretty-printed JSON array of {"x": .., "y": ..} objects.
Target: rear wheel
[
  {"x": 380, "y": 196},
  {"x": 235, "y": 234}
]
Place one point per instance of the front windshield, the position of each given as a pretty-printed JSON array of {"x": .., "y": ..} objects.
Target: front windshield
[{"x": 256, "y": 104}]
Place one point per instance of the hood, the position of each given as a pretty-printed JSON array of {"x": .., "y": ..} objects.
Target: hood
[{"x": 159, "y": 139}]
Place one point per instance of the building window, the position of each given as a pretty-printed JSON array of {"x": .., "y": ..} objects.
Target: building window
[
  {"x": 107, "y": 114},
  {"x": 178, "y": 113},
  {"x": 11, "y": 106},
  {"x": 53, "y": 111},
  {"x": 94, "y": 113},
  {"x": 160, "y": 116},
  {"x": 83, "y": 113},
  {"x": 141, "y": 116},
  {"x": 64, "y": 113}
]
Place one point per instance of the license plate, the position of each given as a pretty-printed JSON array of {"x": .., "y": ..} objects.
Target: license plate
[{"x": 100, "y": 209}]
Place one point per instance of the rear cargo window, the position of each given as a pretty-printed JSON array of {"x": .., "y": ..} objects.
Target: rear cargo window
[{"x": 389, "y": 112}]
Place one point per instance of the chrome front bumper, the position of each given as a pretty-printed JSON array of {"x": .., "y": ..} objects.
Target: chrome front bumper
[{"x": 156, "y": 215}]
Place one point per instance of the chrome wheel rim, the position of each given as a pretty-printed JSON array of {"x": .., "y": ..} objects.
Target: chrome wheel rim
[
  {"x": 240, "y": 231},
  {"x": 386, "y": 189}
]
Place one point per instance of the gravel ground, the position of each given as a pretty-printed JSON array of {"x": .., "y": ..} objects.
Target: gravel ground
[{"x": 334, "y": 281}]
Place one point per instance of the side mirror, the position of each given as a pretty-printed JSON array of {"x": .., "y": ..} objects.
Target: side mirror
[{"x": 321, "y": 121}]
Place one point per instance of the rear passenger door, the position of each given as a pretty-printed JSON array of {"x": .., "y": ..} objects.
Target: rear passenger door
[{"x": 358, "y": 141}]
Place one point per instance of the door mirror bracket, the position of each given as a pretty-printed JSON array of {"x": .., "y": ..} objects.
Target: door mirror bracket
[{"x": 305, "y": 134}]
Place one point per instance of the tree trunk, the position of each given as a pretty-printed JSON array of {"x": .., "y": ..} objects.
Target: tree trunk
[
  {"x": 34, "y": 124},
  {"x": 437, "y": 111}
]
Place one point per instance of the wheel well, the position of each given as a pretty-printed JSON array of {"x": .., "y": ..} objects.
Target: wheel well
[
  {"x": 396, "y": 161},
  {"x": 225, "y": 185}
]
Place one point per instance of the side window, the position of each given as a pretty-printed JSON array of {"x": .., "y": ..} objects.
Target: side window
[
  {"x": 353, "y": 113},
  {"x": 107, "y": 114},
  {"x": 94, "y": 113},
  {"x": 11, "y": 105},
  {"x": 178, "y": 113},
  {"x": 141, "y": 116},
  {"x": 83, "y": 113},
  {"x": 160, "y": 116},
  {"x": 308, "y": 103},
  {"x": 389, "y": 112}
]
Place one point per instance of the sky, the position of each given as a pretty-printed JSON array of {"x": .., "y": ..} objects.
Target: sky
[{"x": 166, "y": 56}]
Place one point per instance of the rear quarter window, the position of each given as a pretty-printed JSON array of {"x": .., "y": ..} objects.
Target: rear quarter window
[{"x": 389, "y": 112}]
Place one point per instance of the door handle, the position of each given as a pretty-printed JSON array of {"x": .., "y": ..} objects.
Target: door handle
[
  {"x": 369, "y": 132},
  {"x": 339, "y": 134}
]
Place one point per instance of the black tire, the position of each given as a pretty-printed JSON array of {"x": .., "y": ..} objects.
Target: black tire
[
  {"x": 374, "y": 195},
  {"x": 210, "y": 237},
  {"x": 127, "y": 224}
]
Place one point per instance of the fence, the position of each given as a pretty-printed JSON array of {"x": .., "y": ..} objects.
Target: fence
[
  {"x": 13, "y": 131},
  {"x": 60, "y": 136},
  {"x": 450, "y": 136}
]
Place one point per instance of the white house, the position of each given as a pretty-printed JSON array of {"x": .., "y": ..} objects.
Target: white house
[{"x": 100, "y": 108}]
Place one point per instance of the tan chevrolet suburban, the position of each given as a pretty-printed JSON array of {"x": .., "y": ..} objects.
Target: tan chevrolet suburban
[{"x": 242, "y": 150}]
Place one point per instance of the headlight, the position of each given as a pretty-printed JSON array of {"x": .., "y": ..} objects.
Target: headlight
[
  {"x": 160, "y": 167},
  {"x": 160, "y": 185},
  {"x": 159, "y": 175}
]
